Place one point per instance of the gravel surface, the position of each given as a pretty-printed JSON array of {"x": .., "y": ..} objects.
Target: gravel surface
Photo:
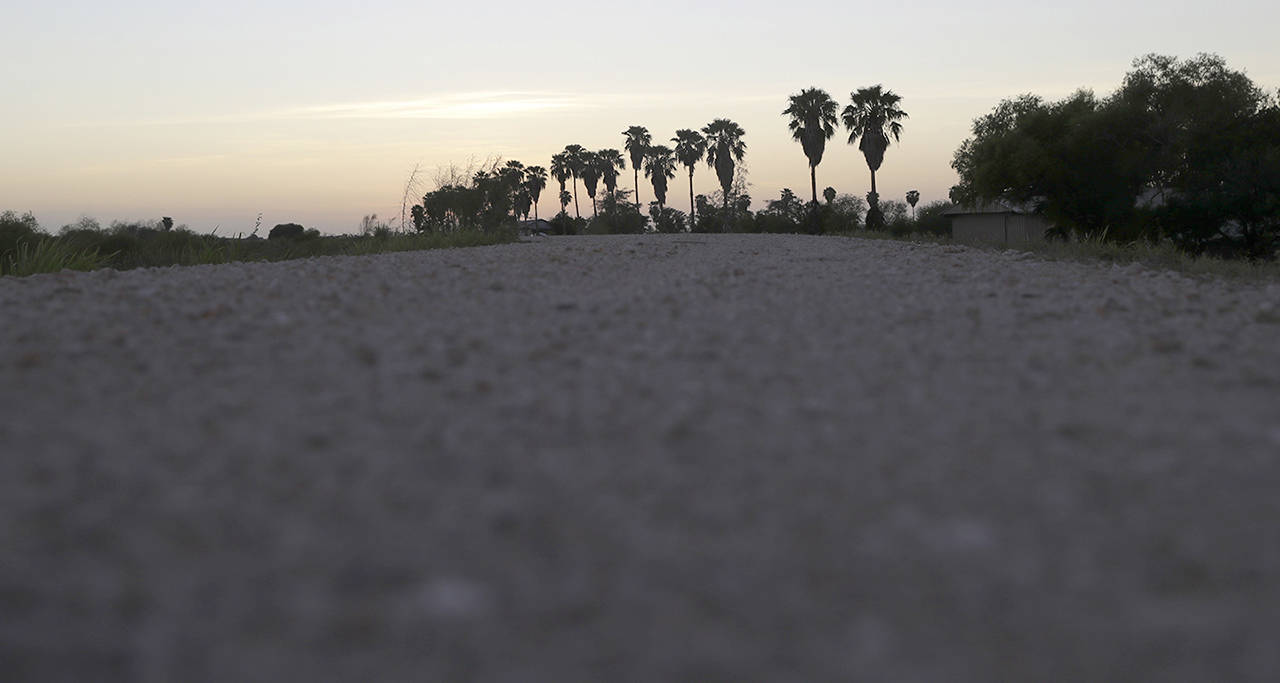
[{"x": 641, "y": 458}]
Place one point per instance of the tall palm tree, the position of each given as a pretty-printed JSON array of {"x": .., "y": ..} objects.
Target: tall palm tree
[
  {"x": 590, "y": 171},
  {"x": 611, "y": 162},
  {"x": 690, "y": 148},
  {"x": 724, "y": 148},
  {"x": 573, "y": 156},
  {"x": 813, "y": 122},
  {"x": 560, "y": 171},
  {"x": 913, "y": 196},
  {"x": 535, "y": 181},
  {"x": 659, "y": 167},
  {"x": 873, "y": 116},
  {"x": 512, "y": 177},
  {"x": 637, "y": 145}
]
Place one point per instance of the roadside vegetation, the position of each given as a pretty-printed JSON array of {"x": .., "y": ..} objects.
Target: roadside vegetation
[
  {"x": 1185, "y": 153},
  {"x": 1181, "y": 166},
  {"x": 25, "y": 249}
]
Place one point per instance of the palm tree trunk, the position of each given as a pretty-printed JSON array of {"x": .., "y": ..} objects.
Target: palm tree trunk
[
  {"x": 575, "y": 195},
  {"x": 873, "y": 184},
  {"x": 813, "y": 181},
  {"x": 636, "y": 174},
  {"x": 692, "y": 208},
  {"x": 535, "y": 210}
]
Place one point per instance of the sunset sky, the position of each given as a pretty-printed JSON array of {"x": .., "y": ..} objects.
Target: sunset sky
[{"x": 316, "y": 112}]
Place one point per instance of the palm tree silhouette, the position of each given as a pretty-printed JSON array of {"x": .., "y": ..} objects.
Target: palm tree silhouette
[
  {"x": 637, "y": 145},
  {"x": 611, "y": 162},
  {"x": 590, "y": 171},
  {"x": 573, "y": 157},
  {"x": 690, "y": 148},
  {"x": 560, "y": 171},
  {"x": 813, "y": 122},
  {"x": 535, "y": 181},
  {"x": 913, "y": 196},
  {"x": 512, "y": 177},
  {"x": 829, "y": 194},
  {"x": 873, "y": 116},
  {"x": 659, "y": 167},
  {"x": 724, "y": 148}
]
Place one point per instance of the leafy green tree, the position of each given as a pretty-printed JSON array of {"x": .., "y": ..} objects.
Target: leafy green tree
[
  {"x": 690, "y": 148},
  {"x": 535, "y": 181},
  {"x": 725, "y": 148},
  {"x": 666, "y": 219},
  {"x": 871, "y": 118},
  {"x": 637, "y": 145},
  {"x": 813, "y": 121},
  {"x": 659, "y": 167},
  {"x": 618, "y": 216}
]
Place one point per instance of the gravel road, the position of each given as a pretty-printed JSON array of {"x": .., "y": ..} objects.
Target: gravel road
[{"x": 641, "y": 458}]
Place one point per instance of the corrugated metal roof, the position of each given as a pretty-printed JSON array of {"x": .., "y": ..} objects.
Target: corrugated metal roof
[{"x": 997, "y": 206}]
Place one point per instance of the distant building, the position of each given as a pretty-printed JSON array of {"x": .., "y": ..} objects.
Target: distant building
[{"x": 997, "y": 223}]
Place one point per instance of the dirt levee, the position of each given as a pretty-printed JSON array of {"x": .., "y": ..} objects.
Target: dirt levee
[{"x": 642, "y": 458}]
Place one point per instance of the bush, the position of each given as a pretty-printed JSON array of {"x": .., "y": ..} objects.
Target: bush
[
  {"x": 666, "y": 219},
  {"x": 564, "y": 224},
  {"x": 616, "y": 216},
  {"x": 930, "y": 218},
  {"x": 287, "y": 231},
  {"x": 15, "y": 230}
]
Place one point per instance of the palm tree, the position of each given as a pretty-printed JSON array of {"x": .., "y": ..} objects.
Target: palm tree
[
  {"x": 535, "y": 181},
  {"x": 873, "y": 116},
  {"x": 637, "y": 145},
  {"x": 913, "y": 196},
  {"x": 589, "y": 169},
  {"x": 560, "y": 171},
  {"x": 512, "y": 176},
  {"x": 690, "y": 148},
  {"x": 829, "y": 194},
  {"x": 659, "y": 167},
  {"x": 573, "y": 157},
  {"x": 813, "y": 122},
  {"x": 724, "y": 148},
  {"x": 611, "y": 162}
]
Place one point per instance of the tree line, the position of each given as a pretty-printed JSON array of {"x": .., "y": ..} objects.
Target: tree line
[
  {"x": 872, "y": 118},
  {"x": 1185, "y": 151}
]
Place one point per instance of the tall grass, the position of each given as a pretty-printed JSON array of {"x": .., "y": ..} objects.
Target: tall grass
[{"x": 49, "y": 255}]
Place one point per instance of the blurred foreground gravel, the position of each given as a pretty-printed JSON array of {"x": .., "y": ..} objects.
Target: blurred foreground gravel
[{"x": 641, "y": 458}]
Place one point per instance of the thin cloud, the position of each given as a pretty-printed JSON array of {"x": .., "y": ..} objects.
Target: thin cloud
[{"x": 477, "y": 105}]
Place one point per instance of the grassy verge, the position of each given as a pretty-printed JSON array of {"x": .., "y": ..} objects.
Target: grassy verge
[
  {"x": 1157, "y": 257},
  {"x": 126, "y": 249}
]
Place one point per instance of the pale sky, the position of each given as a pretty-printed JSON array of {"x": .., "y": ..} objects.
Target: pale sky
[{"x": 315, "y": 112}]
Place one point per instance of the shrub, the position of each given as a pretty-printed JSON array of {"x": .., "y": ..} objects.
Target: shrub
[
  {"x": 666, "y": 219},
  {"x": 287, "y": 231},
  {"x": 15, "y": 230}
]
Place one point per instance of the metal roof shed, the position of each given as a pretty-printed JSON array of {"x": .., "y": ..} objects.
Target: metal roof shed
[{"x": 999, "y": 222}]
